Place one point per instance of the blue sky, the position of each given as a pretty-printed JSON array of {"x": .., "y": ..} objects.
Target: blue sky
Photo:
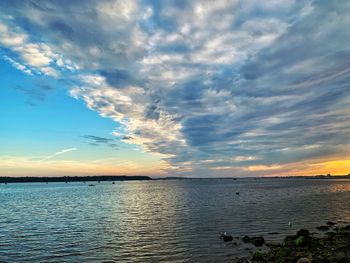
[{"x": 188, "y": 88}]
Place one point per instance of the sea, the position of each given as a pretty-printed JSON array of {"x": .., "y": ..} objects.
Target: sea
[{"x": 161, "y": 220}]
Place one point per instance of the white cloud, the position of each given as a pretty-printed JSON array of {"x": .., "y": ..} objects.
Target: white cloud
[
  {"x": 35, "y": 56},
  {"x": 128, "y": 106},
  {"x": 19, "y": 66}
]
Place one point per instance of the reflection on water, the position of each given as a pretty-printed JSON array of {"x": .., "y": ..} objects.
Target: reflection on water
[{"x": 159, "y": 221}]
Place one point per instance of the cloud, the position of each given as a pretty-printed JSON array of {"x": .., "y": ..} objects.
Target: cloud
[
  {"x": 35, "y": 57},
  {"x": 97, "y": 140},
  {"x": 19, "y": 66},
  {"x": 241, "y": 85},
  {"x": 59, "y": 153},
  {"x": 36, "y": 93}
]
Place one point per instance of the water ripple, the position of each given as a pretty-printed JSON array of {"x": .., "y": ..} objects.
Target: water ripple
[{"x": 159, "y": 221}]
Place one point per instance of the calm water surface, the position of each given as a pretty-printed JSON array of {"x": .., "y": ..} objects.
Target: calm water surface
[{"x": 159, "y": 221}]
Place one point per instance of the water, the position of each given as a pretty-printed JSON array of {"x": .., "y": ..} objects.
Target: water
[{"x": 159, "y": 221}]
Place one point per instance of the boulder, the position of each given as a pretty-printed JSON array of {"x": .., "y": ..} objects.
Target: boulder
[
  {"x": 301, "y": 241},
  {"x": 303, "y": 232},
  {"x": 226, "y": 237},
  {"x": 347, "y": 227},
  {"x": 246, "y": 239},
  {"x": 257, "y": 241}
]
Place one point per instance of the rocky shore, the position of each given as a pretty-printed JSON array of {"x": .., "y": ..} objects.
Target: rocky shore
[{"x": 303, "y": 247}]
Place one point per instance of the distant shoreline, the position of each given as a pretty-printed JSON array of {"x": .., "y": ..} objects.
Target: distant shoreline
[
  {"x": 37, "y": 179},
  {"x": 73, "y": 179}
]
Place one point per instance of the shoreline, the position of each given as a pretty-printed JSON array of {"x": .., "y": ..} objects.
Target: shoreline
[
  {"x": 96, "y": 178},
  {"x": 304, "y": 247}
]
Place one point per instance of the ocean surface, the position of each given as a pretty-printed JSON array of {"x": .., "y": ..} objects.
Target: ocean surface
[{"x": 160, "y": 221}]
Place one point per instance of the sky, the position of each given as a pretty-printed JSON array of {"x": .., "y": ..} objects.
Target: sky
[{"x": 174, "y": 88}]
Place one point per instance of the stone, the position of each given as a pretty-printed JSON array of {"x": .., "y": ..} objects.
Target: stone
[
  {"x": 303, "y": 232},
  {"x": 258, "y": 255},
  {"x": 226, "y": 237},
  {"x": 323, "y": 228},
  {"x": 257, "y": 241},
  {"x": 246, "y": 239},
  {"x": 303, "y": 260},
  {"x": 334, "y": 247},
  {"x": 319, "y": 259},
  {"x": 347, "y": 227},
  {"x": 300, "y": 241}
]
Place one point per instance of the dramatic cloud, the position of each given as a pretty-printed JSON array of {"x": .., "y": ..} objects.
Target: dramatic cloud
[{"x": 216, "y": 87}]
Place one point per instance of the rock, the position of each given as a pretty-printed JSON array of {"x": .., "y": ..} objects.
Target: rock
[
  {"x": 334, "y": 247},
  {"x": 258, "y": 255},
  {"x": 246, "y": 239},
  {"x": 303, "y": 260},
  {"x": 319, "y": 259},
  {"x": 330, "y": 223},
  {"x": 271, "y": 244},
  {"x": 257, "y": 241},
  {"x": 347, "y": 227},
  {"x": 323, "y": 228},
  {"x": 300, "y": 241},
  {"x": 303, "y": 232},
  {"x": 226, "y": 237},
  {"x": 331, "y": 234}
]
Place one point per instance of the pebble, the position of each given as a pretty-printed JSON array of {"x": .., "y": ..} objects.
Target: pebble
[{"x": 303, "y": 260}]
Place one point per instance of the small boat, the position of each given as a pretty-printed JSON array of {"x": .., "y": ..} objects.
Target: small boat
[{"x": 91, "y": 185}]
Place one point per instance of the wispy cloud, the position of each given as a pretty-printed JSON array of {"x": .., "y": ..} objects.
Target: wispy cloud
[
  {"x": 19, "y": 165},
  {"x": 36, "y": 93},
  {"x": 59, "y": 153},
  {"x": 19, "y": 66},
  {"x": 97, "y": 140}
]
